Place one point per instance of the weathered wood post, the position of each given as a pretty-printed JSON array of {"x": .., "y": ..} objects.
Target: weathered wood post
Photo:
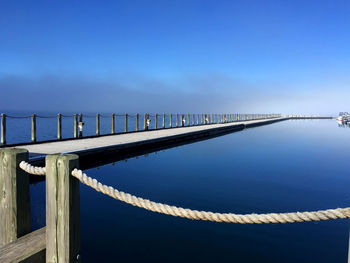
[
  {"x": 189, "y": 120},
  {"x": 193, "y": 119},
  {"x": 163, "y": 126},
  {"x": 3, "y": 128},
  {"x": 59, "y": 126},
  {"x": 197, "y": 119},
  {"x": 62, "y": 209},
  {"x": 75, "y": 126},
  {"x": 202, "y": 118},
  {"x": 113, "y": 124},
  {"x": 145, "y": 121},
  {"x": 177, "y": 120},
  {"x": 137, "y": 122},
  {"x": 14, "y": 198},
  {"x": 33, "y": 127},
  {"x": 182, "y": 120},
  {"x": 126, "y": 122},
  {"x": 80, "y": 125},
  {"x": 97, "y": 124},
  {"x": 156, "y": 122},
  {"x": 171, "y": 120}
]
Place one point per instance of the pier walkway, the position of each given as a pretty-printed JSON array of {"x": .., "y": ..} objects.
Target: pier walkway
[{"x": 84, "y": 146}]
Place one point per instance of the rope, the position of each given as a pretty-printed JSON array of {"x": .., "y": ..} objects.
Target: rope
[
  {"x": 18, "y": 117},
  {"x": 210, "y": 216},
  {"x": 46, "y": 117},
  {"x": 32, "y": 169},
  {"x": 195, "y": 214}
]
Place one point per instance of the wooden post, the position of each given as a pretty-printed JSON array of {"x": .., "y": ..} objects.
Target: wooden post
[
  {"x": 62, "y": 209},
  {"x": 193, "y": 118},
  {"x": 75, "y": 132},
  {"x": 126, "y": 122},
  {"x": 137, "y": 122},
  {"x": 59, "y": 126},
  {"x": 202, "y": 118},
  {"x": 163, "y": 120},
  {"x": 189, "y": 120},
  {"x": 80, "y": 125},
  {"x": 197, "y": 119},
  {"x": 177, "y": 120},
  {"x": 145, "y": 121},
  {"x": 156, "y": 121},
  {"x": 33, "y": 128},
  {"x": 113, "y": 124},
  {"x": 182, "y": 120},
  {"x": 97, "y": 124},
  {"x": 3, "y": 128},
  {"x": 14, "y": 198},
  {"x": 171, "y": 120}
]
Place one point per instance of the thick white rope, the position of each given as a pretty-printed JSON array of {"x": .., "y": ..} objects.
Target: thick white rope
[
  {"x": 195, "y": 214},
  {"x": 32, "y": 169},
  {"x": 210, "y": 216}
]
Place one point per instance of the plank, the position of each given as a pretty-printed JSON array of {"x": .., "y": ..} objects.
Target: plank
[{"x": 29, "y": 246}]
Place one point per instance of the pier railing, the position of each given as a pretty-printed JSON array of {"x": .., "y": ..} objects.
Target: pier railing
[
  {"x": 61, "y": 236},
  {"x": 142, "y": 122}
]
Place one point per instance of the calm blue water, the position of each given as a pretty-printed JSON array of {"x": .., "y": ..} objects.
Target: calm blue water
[{"x": 283, "y": 167}]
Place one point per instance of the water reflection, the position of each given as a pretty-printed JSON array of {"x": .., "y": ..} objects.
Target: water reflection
[{"x": 342, "y": 124}]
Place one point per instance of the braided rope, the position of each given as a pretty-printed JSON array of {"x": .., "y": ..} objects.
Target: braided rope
[
  {"x": 32, "y": 169},
  {"x": 210, "y": 216},
  {"x": 195, "y": 214}
]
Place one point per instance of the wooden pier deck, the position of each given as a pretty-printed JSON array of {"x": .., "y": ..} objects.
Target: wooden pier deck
[{"x": 112, "y": 143}]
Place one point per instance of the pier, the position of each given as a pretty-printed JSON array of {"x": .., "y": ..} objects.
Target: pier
[{"x": 60, "y": 163}]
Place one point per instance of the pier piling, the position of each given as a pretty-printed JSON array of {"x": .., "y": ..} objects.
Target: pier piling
[
  {"x": 59, "y": 126},
  {"x": 126, "y": 122},
  {"x": 97, "y": 124},
  {"x": 75, "y": 131},
  {"x": 113, "y": 124},
  {"x": 62, "y": 209},
  {"x": 15, "y": 199},
  {"x": 33, "y": 135},
  {"x": 3, "y": 128}
]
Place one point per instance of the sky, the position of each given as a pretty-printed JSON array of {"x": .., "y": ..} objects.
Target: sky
[{"x": 175, "y": 56}]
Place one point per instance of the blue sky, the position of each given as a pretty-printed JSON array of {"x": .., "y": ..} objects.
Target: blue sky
[{"x": 191, "y": 56}]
